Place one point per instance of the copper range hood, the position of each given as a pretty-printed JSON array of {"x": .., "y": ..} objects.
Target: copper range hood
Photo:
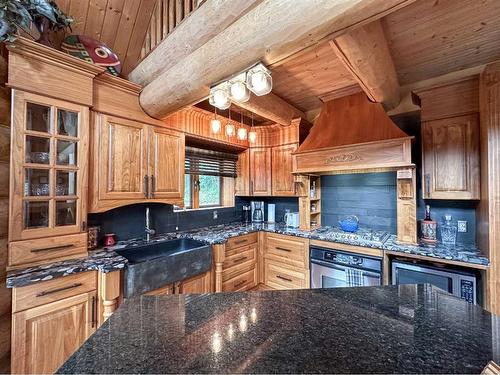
[{"x": 352, "y": 133}]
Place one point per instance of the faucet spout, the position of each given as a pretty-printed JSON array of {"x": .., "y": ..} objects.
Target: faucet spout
[{"x": 148, "y": 229}]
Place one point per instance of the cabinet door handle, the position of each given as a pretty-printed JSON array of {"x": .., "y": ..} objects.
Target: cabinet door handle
[
  {"x": 427, "y": 184},
  {"x": 283, "y": 249},
  {"x": 251, "y": 187},
  {"x": 47, "y": 292},
  {"x": 146, "y": 187},
  {"x": 152, "y": 193},
  {"x": 54, "y": 248},
  {"x": 240, "y": 284},
  {"x": 284, "y": 278},
  {"x": 94, "y": 308},
  {"x": 239, "y": 242}
]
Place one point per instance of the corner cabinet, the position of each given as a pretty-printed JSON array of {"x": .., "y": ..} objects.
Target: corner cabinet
[
  {"x": 133, "y": 162},
  {"x": 260, "y": 171},
  {"x": 283, "y": 183}
]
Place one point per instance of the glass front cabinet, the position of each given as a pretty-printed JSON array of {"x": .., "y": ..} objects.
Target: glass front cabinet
[{"x": 49, "y": 167}]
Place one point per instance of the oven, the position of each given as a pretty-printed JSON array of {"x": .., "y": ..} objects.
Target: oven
[{"x": 337, "y": 269}]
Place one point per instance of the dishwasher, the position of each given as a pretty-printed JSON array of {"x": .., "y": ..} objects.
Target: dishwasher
[{"x": 335, "y": 269}]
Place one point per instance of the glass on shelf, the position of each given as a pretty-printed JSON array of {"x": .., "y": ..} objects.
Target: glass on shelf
[
  {"x": 37, "y": 117},
  {"x": 67, "y": 123},
  {"x": 65, "y": 183},
  {"x": 37, "y": 150},
  {"x": 36, "y": 182},
  {"x": 65, "y": 212},
  {"x": 36, "y": 214},
  {"x": 66, "y": 152}
]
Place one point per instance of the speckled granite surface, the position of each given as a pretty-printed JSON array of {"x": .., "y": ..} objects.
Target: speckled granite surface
[
  {"x": 107, "y": 260},
  {"x": 391, "y": 329}
]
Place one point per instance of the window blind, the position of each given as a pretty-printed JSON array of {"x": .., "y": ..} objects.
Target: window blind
[{"x": 212, "y": 163}]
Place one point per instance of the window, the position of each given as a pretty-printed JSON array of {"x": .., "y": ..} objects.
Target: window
[{"x": 201, "y": 191}]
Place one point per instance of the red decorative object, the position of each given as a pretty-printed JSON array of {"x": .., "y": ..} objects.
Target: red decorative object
[
  {"x": 109, "y": 239},
  {"x": 93, "y": 51}
]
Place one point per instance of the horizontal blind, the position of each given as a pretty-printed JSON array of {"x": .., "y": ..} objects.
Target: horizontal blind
[{"x": 212, "y": 163}]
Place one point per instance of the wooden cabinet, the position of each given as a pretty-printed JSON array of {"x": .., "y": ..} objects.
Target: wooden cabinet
[
  {"x": 133, "y": 162},
  {"x": 51, "y": 320},
  {"x": 242, "y": 183},
  {"x": 451, "y": 158},
  {"x": 260, "y": 171},
  {"x": 283, "y": 183},
  {"x": 197, "y": 284},
  {"x": 48, "y": 173}
]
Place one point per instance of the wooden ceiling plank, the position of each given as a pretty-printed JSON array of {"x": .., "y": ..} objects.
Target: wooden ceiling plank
[
  {"x": 125, "y": 28},
  {"x": 111, "y": 22},
  {"x": 138, "y": 34},
  {"x": 95, "y": 18},
  {"x": 269, "y": 32},
  {"x": 78, "y": 11},
  {"x": 365, "y": 53},
  {"x": 208, "y": 20},
  {"x": 58, "y": 36},
  {"x": 273, "y": 108}
]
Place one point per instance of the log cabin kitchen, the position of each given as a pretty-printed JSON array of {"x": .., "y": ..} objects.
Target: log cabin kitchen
[{"x": 250, "y": 186}]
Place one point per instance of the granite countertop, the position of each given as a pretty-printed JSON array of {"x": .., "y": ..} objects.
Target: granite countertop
[
  {"x": 390, "y": 329},
  {"x": 106, "y": 260}
]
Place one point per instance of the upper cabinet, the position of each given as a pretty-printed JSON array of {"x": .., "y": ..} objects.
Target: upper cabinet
[
  {"x": 260, "y": 171},
  {"x": 133, "y": 162},
  {"x": 48, "y": 168},
  {"x": 242, "y": 183},
  {"x": 283, "y": 183},
  {"x": 450, "y": 140}
]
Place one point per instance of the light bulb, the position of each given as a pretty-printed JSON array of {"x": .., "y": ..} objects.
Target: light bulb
[
  {"x": 220, "y": 98},
  {"x": 252, "y": 136},
  {"x": 215, "y": 125},
  {"x": 242, "y": 134},
  {"x": 239, "y": 92},
  {"x": 229, "y": 129},
  {"x": 260, "y": 82}
]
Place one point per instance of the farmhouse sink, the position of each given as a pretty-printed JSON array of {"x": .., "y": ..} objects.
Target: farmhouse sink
[{"x": 154, "y": 265}]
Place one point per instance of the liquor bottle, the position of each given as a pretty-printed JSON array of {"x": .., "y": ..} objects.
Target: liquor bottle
[{"x": 428, "y": 227}]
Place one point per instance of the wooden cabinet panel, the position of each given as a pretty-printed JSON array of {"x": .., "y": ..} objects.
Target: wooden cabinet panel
[
  {"x": 260, "y": 172},
  {"x": 31, "y": 252},
  {"x": 244, "y": 281},
  {"x": 283, "y": 183},
  {"x": 287, "y": 250},
  {"x": 122, "y": 159},
  {"x": 451, "y": 158},
  {"x": 163, "y": 291},
  {"x": 242, "y": 183},
  {"x": 279, "y": 277},
  {"x": 44, "y": 337},
  {"x": 198, "y": 284},
  {"x": 236, "y": 257},
  {"x": 237, "y": 242},
  {"x": 166, "y": 153}
]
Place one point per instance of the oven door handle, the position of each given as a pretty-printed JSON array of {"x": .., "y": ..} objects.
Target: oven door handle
[{"x": 343, "y": 268}]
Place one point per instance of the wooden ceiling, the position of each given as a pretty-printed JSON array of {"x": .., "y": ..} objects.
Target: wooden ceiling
[{"x": 121, "y": 24}]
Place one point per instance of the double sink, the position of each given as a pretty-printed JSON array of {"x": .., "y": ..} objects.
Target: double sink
[{"x": 153, "y": 265}]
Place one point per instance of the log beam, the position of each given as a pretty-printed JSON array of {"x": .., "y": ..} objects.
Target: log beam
[
  {"x": 365, "y": 53},
  {"x": 197, "y": 29},
  {"x": 273, "y": 108},
  {"x": 270, "y": 32}
]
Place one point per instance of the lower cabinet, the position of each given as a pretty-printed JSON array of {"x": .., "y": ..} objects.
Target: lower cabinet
[
  {"x": 44, "y": 337},
  {"x": 198, "y": 284}
]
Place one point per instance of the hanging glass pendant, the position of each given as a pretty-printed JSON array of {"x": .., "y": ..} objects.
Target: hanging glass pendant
[
  {"x": 215, "y": 123},
  {"x": 242, "y": 134},
  {"x": 252, "y": 134},
  {"x": 230, "y": 129}
]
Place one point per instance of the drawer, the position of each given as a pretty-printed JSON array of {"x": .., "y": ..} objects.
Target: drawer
[
  {"x": 240, "y": 255},
  {"x": 37, "y": 294},
  {"x": 288, "y": 250},
  {"x": 245, "y": 281},
  {"x": 229, "y": 273},
  {"x": 278, "y": 277},
  {"x": 43, "y": 250},
  {"x": 239, "y": 241}
]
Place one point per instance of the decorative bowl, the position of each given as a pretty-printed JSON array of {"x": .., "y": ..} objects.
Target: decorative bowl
[{"x": 349, "y": 224}]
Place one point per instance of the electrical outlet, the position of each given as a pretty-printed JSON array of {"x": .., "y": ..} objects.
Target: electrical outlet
[
  {"x": 462, "y": 226},
  {"x": 216, "y": 215}
]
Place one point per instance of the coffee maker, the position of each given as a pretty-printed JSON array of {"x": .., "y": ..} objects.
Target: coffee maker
[{"x": 257, "y": 211}]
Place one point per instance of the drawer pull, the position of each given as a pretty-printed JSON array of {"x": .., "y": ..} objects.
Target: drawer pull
[
  {"x": 239, "y": 259},
  {"x": 283, "y": 249},
  {"x": 239, "y": 242},
  {"x": 47, "y": 292},
  {"x": 94, "y": 318},
  {"x": 240, "y": 283},
  {"x": 284, "y": 278},
  {"x": 54, "y": 248}
]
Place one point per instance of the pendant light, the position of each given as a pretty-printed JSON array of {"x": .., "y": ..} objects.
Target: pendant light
[
  {"x": 215, "y": 123},
  {"x": 219, "y": 96},
  {"x": 242, "y": 131},
  {"x": 252, "y": 135},
  {"x": 229, "y": 126},
  {"x": 238, "y": 89}
]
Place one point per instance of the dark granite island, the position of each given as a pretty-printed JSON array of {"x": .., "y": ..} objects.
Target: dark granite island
[{"x": 391, "y": 329}]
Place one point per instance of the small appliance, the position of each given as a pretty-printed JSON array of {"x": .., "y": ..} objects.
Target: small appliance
[
  {"x": 457, "y": 282},
  {"x": 336, "y": 269},
  {"x": 271, "y": 213},
  {"x": 257, "y": 211},
  {"x": 292, "y": 219},
  {"x": 246, "y": 214}
]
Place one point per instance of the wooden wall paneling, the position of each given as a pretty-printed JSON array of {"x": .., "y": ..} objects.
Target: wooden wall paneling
[
  {"x": 165, "y": 19},
  {"x": 171, "y": 15},
  {"x": 95, "y": 18},
  {"x": 111, "y": 21},
  {"x": 179, "y": 11},
  {"x": 78, "y": 10},
  {"x": 489, "y": 209},
  {"x": 125, "y": 28}
]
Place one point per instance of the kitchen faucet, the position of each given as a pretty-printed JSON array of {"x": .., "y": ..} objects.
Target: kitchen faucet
[{"x": 148, "y": 230}]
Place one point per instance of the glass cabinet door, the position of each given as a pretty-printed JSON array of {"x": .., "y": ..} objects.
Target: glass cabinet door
[{"x": 50, "y": 138}]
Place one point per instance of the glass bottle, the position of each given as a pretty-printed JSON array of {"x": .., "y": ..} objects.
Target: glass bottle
[
  {"x": 448, "y": 232},
  {"x": 428, "y": 227},
  {"x": 313, "y": 189}
]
